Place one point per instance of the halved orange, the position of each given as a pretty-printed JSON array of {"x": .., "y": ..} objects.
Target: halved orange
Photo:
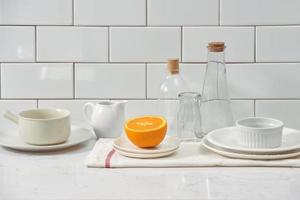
[{"x": 146, "y": 131}]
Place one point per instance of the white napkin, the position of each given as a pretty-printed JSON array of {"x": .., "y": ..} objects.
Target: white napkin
[{"x": 190, "y": 154}]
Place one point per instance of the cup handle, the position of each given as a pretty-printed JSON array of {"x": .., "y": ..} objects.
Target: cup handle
[
  {"x": 12, "y": 117},
  {"x": 88, "y": 106}
]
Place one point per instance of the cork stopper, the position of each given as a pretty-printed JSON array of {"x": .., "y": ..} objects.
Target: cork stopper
[
  {"x": 173, "y": 66},
  {"x": 216, "y": 46}
]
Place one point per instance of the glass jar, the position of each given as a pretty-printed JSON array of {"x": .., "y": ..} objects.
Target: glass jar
[{"x": 188, "y": 118}]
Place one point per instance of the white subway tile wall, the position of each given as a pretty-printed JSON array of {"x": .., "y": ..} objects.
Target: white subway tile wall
[
  {"x": 110, "y": 80},
  {"x": 178, "y": 12},
  {"x": 144, "y": 44},
  {"x": 36, "y": 12},
  {"x": 63, "y": 53},
  {"x": 264, "y": 80},
  {"x": 239, "y": 43},
  {"x": 260, "y": 12},
  {"x": 278, "y": 44},
  {"x": 110, "y": 13},
  {"x": 37, "y": 80},
  {"x": 17, "y": 44},
  {"x": 72, "y": 44}
]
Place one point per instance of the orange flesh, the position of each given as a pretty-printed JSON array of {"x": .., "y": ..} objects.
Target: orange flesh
[
  {"x": 146, "y": 131},
  {"x": 145, "y": 123}
]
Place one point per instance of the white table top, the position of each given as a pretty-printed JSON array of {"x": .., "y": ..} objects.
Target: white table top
[{"x": 63, "y": 175}]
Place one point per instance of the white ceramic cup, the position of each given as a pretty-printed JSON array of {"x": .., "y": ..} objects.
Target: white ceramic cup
[{"x": 42, "y": 126}]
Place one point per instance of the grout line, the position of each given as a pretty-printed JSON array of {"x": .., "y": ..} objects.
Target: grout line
[
  {"x": 146, "y": 22},
  {"x": 146, "y": 81},
  {"x": 74, "y": 81},
  {"x": 165, "y": 25},
  {"x": 73, "y": 12},
  {"x": 158, "y": 62},
  {"x": 37, "y": 103},
  {"x": 35, "y": 43},
  {"x": 181, "y": 43},
  {"x": 255, "y": 46},
  {"x": 108, "y": 45},
  {"x": 219, "y": 13},
  {"x": 151, "y": 98}
]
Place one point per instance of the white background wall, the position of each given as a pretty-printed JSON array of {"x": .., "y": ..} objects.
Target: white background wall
[{"x": 63, "y": 53}]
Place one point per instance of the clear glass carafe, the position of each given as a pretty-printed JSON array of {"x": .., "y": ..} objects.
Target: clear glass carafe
[
  {"x": 188, "y": 117},
  {"x": 215, "y": 104}
]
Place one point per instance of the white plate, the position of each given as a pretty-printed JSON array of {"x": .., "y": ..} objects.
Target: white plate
[
  {"x": 11, "y": 139},
  {"x": 227, "y": 138},
  {"x": 229, "y": 154},
  {"x": 168, "y": 144},
  {"x": 144, "y": 155}
]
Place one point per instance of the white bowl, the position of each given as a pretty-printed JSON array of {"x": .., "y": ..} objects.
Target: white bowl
[
  {"x": 259, "y": 133},
  {"x": 42, "y": 126}
]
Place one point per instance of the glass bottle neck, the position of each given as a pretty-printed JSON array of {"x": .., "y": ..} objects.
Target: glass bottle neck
[
  {"x": 173, "y": 74},
  {"x": 216, "y": 57}
]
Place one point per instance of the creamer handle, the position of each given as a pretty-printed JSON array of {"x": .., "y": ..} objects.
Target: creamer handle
[{"x": 88, "y": 108}]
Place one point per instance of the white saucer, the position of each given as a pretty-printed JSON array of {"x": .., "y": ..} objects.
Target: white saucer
[
  {"x": 144, "y": 155},
  {"x": 168, "y": 144},
  {"x": 232, "y": 154},
  {"x": 11, "y": 139},
  {"x": 226, "y": 138}
]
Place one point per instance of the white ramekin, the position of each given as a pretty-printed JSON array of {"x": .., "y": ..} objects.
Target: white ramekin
[{"x": 259, "y": 133}]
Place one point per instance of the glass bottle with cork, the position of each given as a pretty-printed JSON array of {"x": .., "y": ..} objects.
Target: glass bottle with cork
[
  {"x": 215, "y": 105},
  {"x": 173, "y": 85}
]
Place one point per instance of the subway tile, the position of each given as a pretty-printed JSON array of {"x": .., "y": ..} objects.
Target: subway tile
[
  {"x": 135, "y": 108},
  {"x": 278, "y": 44},
  {"x": 242, "y": 109},
  {"x": 257, "y": 12},
  {"x": 144, "y": 44},
  {"x": 14, "y": 106},
  {"x": 36, "y": 12},
  {"x": 239, "y": 43},
  {"x": 183, "y": 12},
  {"x": 110, "y": 12},
  {"x": 17, "y": 44},
  {"x": 72, "y": 44},
  {"x": 277, "y": 80},
  {"x": 110, "y": 80},
  {"x": 193, "y": 74},
  {"x": 37, "y": 80},
  {"x": 287, "y": 111}
]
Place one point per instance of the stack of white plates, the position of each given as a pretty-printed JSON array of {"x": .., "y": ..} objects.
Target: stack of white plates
[
  {"x": 124, "y": 147},
  {"x": 224, "y": 142}
]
